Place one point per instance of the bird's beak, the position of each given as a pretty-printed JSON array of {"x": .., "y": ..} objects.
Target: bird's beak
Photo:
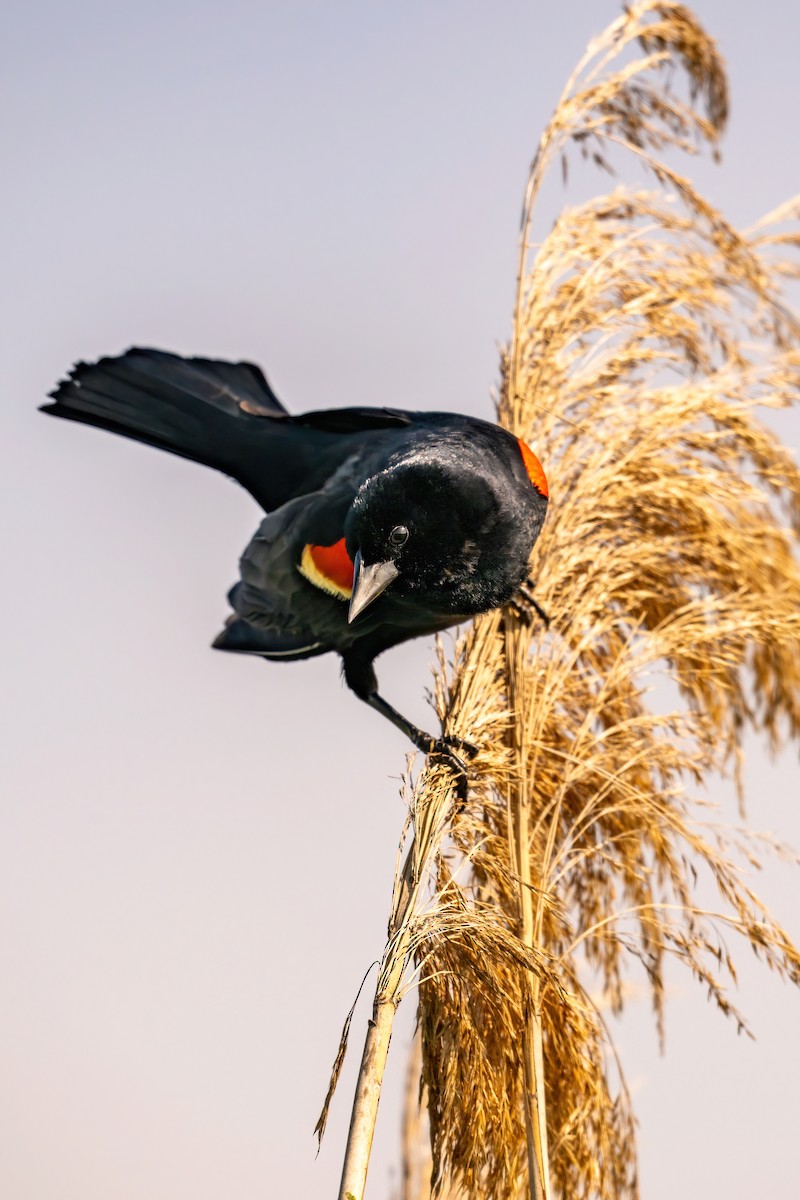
[{"x": 368, "y": 583}]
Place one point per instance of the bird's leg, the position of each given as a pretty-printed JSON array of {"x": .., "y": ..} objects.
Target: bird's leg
[
  {"x": 425, "y": 742},
  {"x": 360, "y": 675},
  {"x": 434, "y": 747},
  {"x": 524, "y": 601}
]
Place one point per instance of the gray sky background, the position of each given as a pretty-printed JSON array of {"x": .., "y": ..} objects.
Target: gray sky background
[{"x": 190, "y": 890}]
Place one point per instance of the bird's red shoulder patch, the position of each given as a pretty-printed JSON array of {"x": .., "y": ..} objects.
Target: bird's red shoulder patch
[
  {"x": 329, "y": 568},
  {"x": 533, "y": 468}
]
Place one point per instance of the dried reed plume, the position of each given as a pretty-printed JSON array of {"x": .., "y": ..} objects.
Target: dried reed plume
[{"x": 646, "y": 335}]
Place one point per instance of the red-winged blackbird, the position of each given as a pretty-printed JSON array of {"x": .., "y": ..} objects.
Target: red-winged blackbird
[{"x": 382, "y": 525}]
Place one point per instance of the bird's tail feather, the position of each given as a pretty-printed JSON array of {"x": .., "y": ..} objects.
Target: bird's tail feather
[{"x": 197, "y": 408}]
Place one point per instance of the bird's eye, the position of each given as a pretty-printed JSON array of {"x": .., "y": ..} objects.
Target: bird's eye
[{"x": 399, "y": 535}]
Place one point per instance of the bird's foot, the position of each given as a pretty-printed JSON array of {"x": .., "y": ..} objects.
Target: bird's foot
[
  {"x": 459, "y": 744},
  {"x": 449, "y": 749},
  {"x": 440, "y": 751},
  {"x": 523, "y": 605},
  {"x": 446, "y": 749}
]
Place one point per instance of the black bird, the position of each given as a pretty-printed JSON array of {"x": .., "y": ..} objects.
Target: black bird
[{"x": 382, "y": 525}]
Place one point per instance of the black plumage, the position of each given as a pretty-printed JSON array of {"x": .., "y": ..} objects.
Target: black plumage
[{"x": 418, "y": 519}]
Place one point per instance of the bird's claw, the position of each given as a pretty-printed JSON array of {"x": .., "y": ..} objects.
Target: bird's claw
[
  {"x": 461, "y": 745},
  {"x": 524, "y": 604},
  {"x": 440, "y": 751}
]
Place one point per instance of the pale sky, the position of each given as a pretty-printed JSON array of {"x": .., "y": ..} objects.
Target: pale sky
[{"x": 196, "y": 850}]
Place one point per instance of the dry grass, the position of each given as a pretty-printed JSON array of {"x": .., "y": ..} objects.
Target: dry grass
[{"x": 647, "y": 334}]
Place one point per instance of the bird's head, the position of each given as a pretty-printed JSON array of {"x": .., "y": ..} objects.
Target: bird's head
[{"x": 452, "y": 537}]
